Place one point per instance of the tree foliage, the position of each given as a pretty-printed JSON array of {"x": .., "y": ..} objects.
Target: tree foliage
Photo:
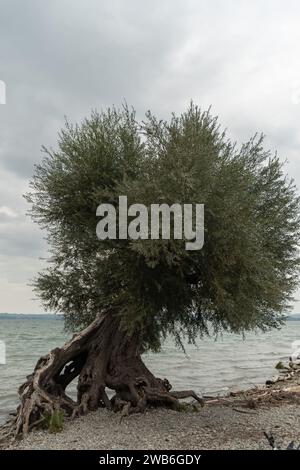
[{"x": 244, "y": 276}]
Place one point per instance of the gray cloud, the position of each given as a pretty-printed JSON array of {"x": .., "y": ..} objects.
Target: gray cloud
[{"x": 65, "y": 57}]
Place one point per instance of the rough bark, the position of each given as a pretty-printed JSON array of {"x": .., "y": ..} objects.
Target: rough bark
[{"x": 101, "y": 356}]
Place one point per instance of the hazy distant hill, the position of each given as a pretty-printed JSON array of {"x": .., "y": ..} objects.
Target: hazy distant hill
[
  {"x": 294, "y": 317},
  {"x": 48, "y": 316},
  {"x": 22, "y": 316}
]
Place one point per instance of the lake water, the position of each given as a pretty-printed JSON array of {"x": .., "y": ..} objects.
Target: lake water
[{"x": 214, "y": 367}]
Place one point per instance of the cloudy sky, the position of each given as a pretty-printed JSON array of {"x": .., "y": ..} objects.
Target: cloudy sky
[{"x": 65, "y": 57}]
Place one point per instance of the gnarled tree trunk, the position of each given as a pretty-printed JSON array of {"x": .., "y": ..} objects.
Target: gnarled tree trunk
[{"x": 101, "y": 356}]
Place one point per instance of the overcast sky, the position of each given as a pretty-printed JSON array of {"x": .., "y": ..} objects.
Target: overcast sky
[{"x": 65, "y": 57}]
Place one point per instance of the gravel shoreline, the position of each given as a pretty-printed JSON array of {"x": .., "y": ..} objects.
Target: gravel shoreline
[
  {"x": 237, "y": 421},
  {"x": 212, "y": 427}
]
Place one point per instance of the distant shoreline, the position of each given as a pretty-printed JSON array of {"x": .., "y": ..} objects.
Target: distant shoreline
[
  {"x": 23, "y": 316},
  {"x": 43, "y": 316}
]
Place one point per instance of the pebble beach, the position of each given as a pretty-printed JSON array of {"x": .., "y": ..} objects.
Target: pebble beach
[
  {"x": 238, "y": 421},
  {"x": 213, "y": 427}
]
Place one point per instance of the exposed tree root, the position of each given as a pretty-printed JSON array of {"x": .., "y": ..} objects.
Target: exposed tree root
[{"x": 101, "y": 356}]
